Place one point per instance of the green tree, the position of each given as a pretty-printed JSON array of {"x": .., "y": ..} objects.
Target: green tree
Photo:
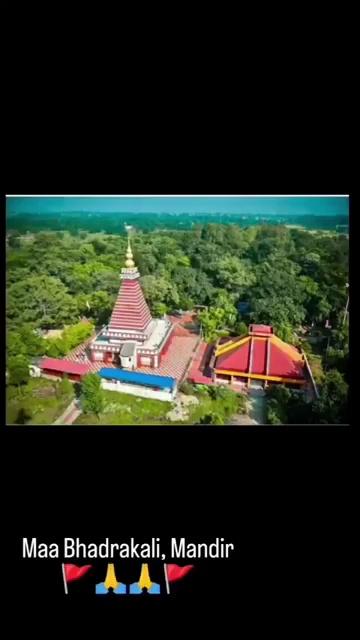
[
  {"x": 56, "y": 348},
  {"x": 337, "y": 359},
  {"x": 92, "y": 398},
  {"x": 43, "y": 300},
  {"x": 286, "y": 333},
  {"x": 71, "y": 337},
  {"x": 275, "y": 413},
  {"x": 332, "y": 405},
  {"x": 233, "y": 273},
  {"x": 159, "y": 289},
  {"x": 219, "y": 319},
  {"x": 18, "y": 369},
  {"x": 241, "y": 328},
  {"x": 101, "y": 304},
  {"x": 159, "y": 309},
  {"x": 15, "y": 345},
  {"x": 278, "y": 311},
  {"x": 64, "y": 388},
  {"x": 278, "y": 397},
  {"x": 25, "y": 342},
  {"x": 23, "y": 416},
  {"x": 100, "y": 245}
]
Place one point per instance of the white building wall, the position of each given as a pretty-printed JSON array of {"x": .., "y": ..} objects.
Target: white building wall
[{"x": 142, "y": 392}]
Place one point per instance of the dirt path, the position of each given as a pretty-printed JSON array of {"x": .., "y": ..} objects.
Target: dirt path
[
  {"x": 257, "y": 404},
  {"x": 70, "y": 414},
  {"x": 256, "y": 409}
]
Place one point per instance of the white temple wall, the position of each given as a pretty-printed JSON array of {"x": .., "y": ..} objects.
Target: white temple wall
[{"x": 143, "y": 392}]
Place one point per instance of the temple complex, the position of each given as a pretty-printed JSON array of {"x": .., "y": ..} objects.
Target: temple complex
[
  {"x": 150, "y": 357},
  {"x": 132, "y": 338}
]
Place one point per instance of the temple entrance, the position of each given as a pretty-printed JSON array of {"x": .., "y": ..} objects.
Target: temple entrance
[
  {"x": 256, "y": 385},
  {"x": 116, "y": 360}
]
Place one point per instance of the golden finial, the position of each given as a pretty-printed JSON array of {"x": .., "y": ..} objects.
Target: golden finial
[{"x": 129, "y": 263}]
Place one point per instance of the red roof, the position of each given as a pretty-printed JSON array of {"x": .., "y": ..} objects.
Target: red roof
[
  {"x": 259, "y": 356},
  {"x": 268, "y": 355},
  {"x": 236, "y": 359},
  {"x": 64, "y": 366},
  {"x": 260, "y": 328},
  {"x": 130, "y": 310}
]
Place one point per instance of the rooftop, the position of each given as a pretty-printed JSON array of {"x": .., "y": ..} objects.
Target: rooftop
[
  {"x": 128, "y": 349},
  {"x": 134, "y": 377},
  {"x": 158, "y": 328},
  {"x": 260, "y": 329},
  {"x": 64, "y": 366}
]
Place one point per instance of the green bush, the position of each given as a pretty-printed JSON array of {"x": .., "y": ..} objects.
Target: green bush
[
  {"x": 72, "y": 337},
  {"x": 187, "y": 388}
]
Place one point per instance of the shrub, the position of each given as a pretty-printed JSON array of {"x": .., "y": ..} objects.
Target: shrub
[
  {"x": 187, "y": 388},
  {"x": 92, "y": 394}
]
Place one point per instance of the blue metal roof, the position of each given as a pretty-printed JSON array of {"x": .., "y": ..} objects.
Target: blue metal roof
[{"x": 133, "y": 377}]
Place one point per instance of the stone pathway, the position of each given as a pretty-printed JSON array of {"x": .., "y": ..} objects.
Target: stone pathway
[
  {"x": 70, "y": 414},
  {"x": 257, "y": 407}
]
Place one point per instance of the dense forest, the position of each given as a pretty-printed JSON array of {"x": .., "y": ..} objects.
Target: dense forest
[{"x": 292, "y": 279}]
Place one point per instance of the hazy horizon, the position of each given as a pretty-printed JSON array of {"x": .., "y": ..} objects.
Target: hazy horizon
[{"x": 270, "y": 205}]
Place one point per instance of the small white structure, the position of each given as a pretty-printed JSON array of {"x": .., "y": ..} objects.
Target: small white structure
[
  {"x": 35, "y": 372},
  {"x": 128, "y": 355}
]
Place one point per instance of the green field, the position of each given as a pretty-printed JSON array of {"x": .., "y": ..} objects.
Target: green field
[
  {"x": 124, "y": 409},
  {"x": 40, "y": 401}
]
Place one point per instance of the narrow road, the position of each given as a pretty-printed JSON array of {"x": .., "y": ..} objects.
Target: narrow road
[
  {"x": 256, "y": 409},
  {"x": 257, "y": 403},
  {"x": 70, "y": 414}
]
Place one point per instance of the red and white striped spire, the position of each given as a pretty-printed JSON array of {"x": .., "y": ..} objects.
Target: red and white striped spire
[{"x": 131, "y": 311}]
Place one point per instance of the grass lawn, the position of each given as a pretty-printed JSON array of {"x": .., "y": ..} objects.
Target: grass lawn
[
  {"x": 124, "y": 409},
  {"x": 224, "y": 403},
  {"x": 121, "y": 408},
  {"x": 38, "y": 399}
]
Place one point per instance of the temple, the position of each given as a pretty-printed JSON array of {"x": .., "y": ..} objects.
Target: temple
[
  {"x": 260, "y": 356},
  {"x": 132, "y": 339}
]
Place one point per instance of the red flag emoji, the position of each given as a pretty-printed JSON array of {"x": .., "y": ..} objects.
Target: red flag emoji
[
  {"x": 74, "y": 572},
  {"x": 174, "y": 572}
]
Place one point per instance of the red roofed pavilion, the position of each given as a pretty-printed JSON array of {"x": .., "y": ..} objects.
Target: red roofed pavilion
[
  {"x": 260, "y": 356},
  {"x": 57, "y": 367}
]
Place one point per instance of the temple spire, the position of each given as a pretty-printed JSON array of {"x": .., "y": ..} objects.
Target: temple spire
[{"x": 129, "y": 255}]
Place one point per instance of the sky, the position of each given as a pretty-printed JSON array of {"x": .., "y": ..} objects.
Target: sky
[{"x": 144, "y": 204}]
